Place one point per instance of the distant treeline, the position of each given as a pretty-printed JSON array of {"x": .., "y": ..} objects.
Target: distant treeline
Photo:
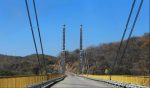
[{"x": 15, "y": 65}]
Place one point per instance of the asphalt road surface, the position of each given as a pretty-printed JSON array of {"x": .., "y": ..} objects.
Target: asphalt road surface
[{"x": 72, "y": 81}]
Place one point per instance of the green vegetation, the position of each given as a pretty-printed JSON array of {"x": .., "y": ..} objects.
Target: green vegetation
[
  {"x": 14, "y": 65},
  {"x": 6, "y": 73}
]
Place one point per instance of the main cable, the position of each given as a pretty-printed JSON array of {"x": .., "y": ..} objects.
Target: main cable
[
  {"x": 135, "y": 20},
  {"x": 29, "y": 17},
  {"x": 37, "y": 22},
  {"x": 128, "y": 20}
]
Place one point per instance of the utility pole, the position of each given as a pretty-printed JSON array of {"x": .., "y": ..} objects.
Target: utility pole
[
  {"x": 81, "y": 68},
  {"x": 63, "y": 53}
]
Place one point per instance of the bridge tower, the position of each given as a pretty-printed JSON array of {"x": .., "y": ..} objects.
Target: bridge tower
[
  {"x": 63, "y": 53},
  {"x": 81, "y": 68}
]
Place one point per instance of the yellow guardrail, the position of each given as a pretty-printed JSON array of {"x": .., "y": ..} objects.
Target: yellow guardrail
[
  {"x": 138, "y": 80},
  {"x": 24, "y": 81}
]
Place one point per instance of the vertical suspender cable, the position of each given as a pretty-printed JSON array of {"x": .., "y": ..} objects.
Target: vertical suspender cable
[
  {"x": 135, "y": 20},
  {"x": 37, "y": 22},
  {"x": 128, "y": 20},
  {"x": 33, "y": 34}
]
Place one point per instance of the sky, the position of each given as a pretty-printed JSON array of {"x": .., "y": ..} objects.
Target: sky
[{"x": 103, "y": 22}]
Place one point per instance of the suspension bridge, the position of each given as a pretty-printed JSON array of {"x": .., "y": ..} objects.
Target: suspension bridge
[{"x": 65, "y": 79}]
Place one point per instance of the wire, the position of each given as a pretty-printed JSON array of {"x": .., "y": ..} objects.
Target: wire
[
  {"x": 37, "y": 22},
  {"x": 135, "y": 20},
  {"x": 128, "y": 20},
  {"x": 29, "y": 17},
  {"x": 149, "y": 46}
]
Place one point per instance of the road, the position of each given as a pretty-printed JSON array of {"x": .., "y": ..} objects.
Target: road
[{"x": 78, "y": 82}]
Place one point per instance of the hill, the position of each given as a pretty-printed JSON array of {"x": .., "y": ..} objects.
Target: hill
[
  {"x": 99, "y": 58},
  {"x": 16, "y": 65}
]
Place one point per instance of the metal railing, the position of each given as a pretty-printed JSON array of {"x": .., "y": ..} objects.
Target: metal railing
[
  {"x": 24, "y": 81},
  {"x": 137, "y": 80}
]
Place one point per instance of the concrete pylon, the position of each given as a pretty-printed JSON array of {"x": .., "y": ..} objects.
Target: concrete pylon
[
  {"x": 63, "y": 53},
  {"x": 81, "y": 67}
]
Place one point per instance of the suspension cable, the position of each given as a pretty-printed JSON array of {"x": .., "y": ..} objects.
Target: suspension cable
[
  {"x": 135, "y": 20},
  {"x": 37, "y": 22},
  {"x": 149, "y": 45},
  {"x": 128, "y": 20},
  {"x": 29, "y": 17}
]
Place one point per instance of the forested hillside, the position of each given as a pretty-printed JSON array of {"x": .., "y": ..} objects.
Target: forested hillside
[
  {"x": 15, "y": 65},
  {"x": 99, "y": 58}
]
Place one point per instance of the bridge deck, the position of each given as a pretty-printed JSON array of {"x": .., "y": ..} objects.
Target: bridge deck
[{"x": 78, "y": 82}]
